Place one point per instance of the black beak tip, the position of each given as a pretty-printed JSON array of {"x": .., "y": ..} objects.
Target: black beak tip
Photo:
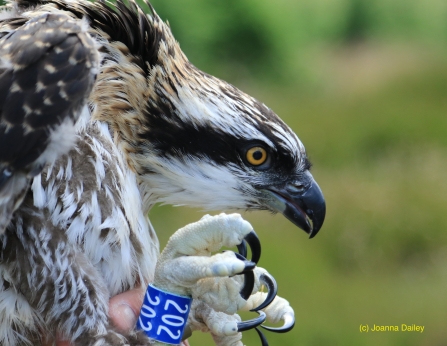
[
  {"x": 313, "y": 233},
  {"x": 316, "y": 209},
  {"x": 317, "y": 220},
  {"x": 316, "y": 226}
]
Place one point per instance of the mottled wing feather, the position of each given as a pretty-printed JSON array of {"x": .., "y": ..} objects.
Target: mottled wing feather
[
  {"x": 45, "y": 75},
  {"x": 47, "y": 69}
]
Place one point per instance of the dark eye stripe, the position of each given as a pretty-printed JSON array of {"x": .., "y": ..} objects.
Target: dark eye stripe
[{"x": 170, "y": 136}]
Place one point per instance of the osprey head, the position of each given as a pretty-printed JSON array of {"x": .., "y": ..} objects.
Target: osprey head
[
  {"x": 196, "y": 140},
  {"x": 208, "y": 144}
]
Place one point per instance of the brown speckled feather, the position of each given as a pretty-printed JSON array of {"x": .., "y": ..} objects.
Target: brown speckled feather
[{"x": 47, "y": 68}]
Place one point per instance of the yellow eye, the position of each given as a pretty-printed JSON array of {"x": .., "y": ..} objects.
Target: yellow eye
[{"x": 256, "y": 156}]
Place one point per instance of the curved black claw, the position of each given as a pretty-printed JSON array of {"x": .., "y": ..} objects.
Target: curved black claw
[
  {"x": 289, "y": 323},
  {"x": 249, "y": 265},
  {"x": 249, "y": 277},
  {"x": 255, "y": 246},
  {"x": 272, "y": 286},
  {"x": 242, "y": 248},
  {"x": 250, "y": 324},
  {"x": 264, "y": 341}
]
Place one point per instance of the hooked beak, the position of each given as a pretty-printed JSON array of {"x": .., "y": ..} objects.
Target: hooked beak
[{"x": 306, "y": 209}]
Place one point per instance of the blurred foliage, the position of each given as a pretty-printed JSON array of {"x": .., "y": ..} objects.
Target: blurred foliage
[{"x": 270, "y": 39}]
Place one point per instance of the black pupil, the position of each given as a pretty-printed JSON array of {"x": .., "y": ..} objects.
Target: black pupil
[{"x": 257, "y": 155}]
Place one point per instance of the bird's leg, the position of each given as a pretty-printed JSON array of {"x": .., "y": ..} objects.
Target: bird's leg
[
  {"x": 186, "y": 262},
  {"x": 186, "y": 267}
]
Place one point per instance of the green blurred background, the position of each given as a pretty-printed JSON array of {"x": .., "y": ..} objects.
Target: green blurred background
[{"x": 364, "y": 85}]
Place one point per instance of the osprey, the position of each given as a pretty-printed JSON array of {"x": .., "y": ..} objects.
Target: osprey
[{"x": 101, "y": 117}]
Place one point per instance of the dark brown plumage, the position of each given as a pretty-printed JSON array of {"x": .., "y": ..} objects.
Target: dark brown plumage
[{"x": 48, "y": 66}]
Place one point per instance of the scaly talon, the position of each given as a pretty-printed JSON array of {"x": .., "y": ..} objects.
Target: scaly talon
[
  {"x": 289, "y": 323},
  {"x": 250, "y": 324},
  {"x": 270, "y": 282},
  {"x": 249, "y": 277},
  {"x": 249, "y": 265},
  {"x": 249, "y": 283},
  {"x": 255, "y": 246},
  {"x": 242, "y": 248}
]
